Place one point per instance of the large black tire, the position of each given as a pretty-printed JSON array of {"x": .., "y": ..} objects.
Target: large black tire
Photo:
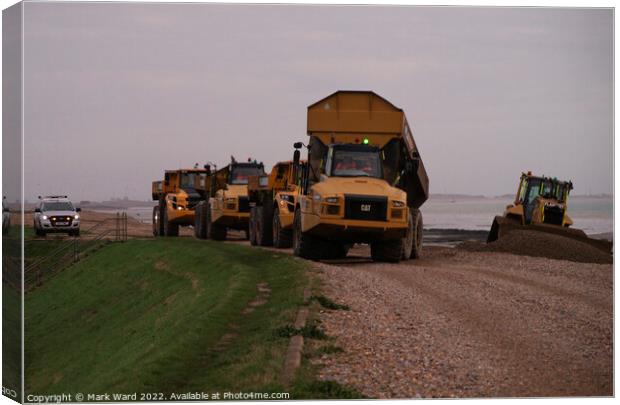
[
  {"x": 335, "y": 250},
  {"x": 162, "y": 212},
  {"x": 387, "y": 251},
  {"x": 282, "y": 238},
  {"x": 196, "y": 225},
  {"x": 215, "y": 231},
  {"x": 416, "y": 252},
  {"x": 412, "y": 242},
  {"x": 264, "y": 221},
  {"x": 155, "y": 221},
  {"x": 304, "y": 245},
  {"x": 200, "y": 220},
  {"x": 39, "y": 231},
  {"x": 252, "y": 226},
  {"x": 170, "y": 229}
]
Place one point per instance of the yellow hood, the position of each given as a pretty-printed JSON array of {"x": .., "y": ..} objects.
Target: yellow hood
[
  {"x": 237, "y": 190},
  {"x": 338, "y": 186}
]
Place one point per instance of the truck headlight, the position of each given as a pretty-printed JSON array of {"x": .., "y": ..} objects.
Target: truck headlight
[
  {"x": 398, "y": 204},
  {"x": 44, "y": 217},
  {"x": 179, "y": 208},
  {"x": 76, "y": 216},
  {"x": 331, "y": 200}
]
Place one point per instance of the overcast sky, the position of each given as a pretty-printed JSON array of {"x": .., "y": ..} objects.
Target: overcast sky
[{"x": 116, "y": 93}]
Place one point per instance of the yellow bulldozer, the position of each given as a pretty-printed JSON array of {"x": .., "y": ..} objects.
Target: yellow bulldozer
[
  {"x": 177, "y": 196},
  {"x": 272, "y": 200},
  {"x": 364, "y": 181},
  {"x": 227, "y": 205},
  {"x": 541, "y": 204}
]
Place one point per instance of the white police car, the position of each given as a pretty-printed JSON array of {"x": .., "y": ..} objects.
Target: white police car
[{"x": 56, "y": 214}]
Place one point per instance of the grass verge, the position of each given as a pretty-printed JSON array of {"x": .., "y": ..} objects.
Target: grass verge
[{"x": 163, "y": 315}]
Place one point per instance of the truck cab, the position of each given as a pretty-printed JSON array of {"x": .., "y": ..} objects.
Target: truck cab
[
  {"x": 273, "y": 198},
  {"x": 177, "y": 196},
  {"x": 228, "y": 206}
]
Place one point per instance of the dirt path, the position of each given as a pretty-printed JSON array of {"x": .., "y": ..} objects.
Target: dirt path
[{"x": 470, "y": 324}]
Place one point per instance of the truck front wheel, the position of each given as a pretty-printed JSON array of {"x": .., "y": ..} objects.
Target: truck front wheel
[
  {"x": 412, "y": 242},
  {"x": 387, "y": 251},
  {"x": 214, "y": 231},
  {"x": 155, "y": 221},
  {"x": 200, "y": 221},
  {"x": 160, "y": 217},
  {"x": 282, "y": 238},
  {"x": 170, "y": 229},
  {"x": 252, "y": 226},
  {"x": 263, "y": 226},
  {"x": 306, "y": 246}
]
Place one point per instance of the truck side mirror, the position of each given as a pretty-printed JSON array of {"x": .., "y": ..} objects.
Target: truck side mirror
[
  {"x": 37, "y": 210},
  {"x": 208, "y": 169},
  {"x": 78, "y": 209},
  {"x": 298, "y": 145},
  {"x": 296, "y": 156}
]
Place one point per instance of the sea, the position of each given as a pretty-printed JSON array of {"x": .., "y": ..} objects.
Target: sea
[{"x": 594, "y": 215}]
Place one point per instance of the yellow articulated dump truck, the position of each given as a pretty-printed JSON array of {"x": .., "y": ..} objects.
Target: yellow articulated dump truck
[
  {"x": 177, "y": 196},
  {"x": 364, "y": 181},
  {"x": 228, "y": 206},
  {"x": 272, "y": 200}
]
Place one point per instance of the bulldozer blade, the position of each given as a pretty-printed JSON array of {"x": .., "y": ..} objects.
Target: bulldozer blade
[{"x": 502, "y": 226}]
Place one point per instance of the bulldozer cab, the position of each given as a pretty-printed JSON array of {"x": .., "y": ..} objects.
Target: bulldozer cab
[{"x": 535, "y": 191}]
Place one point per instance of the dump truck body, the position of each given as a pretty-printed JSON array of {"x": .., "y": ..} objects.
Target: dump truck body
[
  {"x": 364, "y": 182},
  {"x": 228, "y": 206},
  {"x": 272, "y": 199},
  {"x": 177, "y": 196}
]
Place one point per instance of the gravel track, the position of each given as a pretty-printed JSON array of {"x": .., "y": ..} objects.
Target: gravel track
[{"x": 470, "y": 324}]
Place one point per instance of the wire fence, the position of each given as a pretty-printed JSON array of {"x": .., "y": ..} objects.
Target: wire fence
[{"x": 64, "y": 254}]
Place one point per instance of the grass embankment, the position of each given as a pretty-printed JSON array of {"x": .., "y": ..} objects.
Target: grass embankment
[{"x": 165, "y": 315}]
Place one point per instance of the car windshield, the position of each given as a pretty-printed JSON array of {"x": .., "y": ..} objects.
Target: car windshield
[
  {"x": 240, "y": 174},
  {"x": 57, "y": 206},
  {"x": 353, "y": 163},
  {"x": 193, "y": 180}
]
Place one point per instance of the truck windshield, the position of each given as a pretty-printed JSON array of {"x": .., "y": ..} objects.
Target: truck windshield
[
  {"x": 193, "y": 180},
  {"x": 57, "y": 206},
  {"x": 354, "y": 163},
  {"x": 240, "y": 174}
]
